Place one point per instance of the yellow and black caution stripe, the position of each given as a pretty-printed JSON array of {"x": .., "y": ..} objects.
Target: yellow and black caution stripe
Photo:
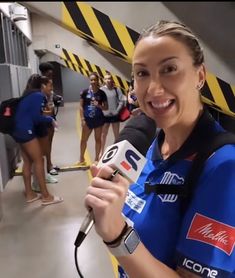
[
  {"x": 98, "y": 28},
  {"x": 114, "y": 37},
  {"x": 219, "y": 94},
  {"x": 84, "y": 67}
]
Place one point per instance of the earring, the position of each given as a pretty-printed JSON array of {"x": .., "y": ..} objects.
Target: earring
[{"x": 199, "y": 86}]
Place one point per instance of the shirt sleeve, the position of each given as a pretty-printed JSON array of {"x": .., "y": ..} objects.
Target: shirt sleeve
[
  {"x": 103, "y": 96},
  {"x": 121, "y": 100},
  {"x": 207, "y": 238},
  {"x": 37, "y": 102}
]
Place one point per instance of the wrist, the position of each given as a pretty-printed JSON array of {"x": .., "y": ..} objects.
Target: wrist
[
  {"x": 125, "y": 244},
  {"x": 118, "y": 238}
]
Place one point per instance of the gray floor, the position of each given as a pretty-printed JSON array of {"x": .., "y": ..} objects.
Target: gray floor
[{"x": 38, "y": 242}]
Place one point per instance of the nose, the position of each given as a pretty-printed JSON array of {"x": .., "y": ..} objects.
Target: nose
[{"x": 155, "y": 86}]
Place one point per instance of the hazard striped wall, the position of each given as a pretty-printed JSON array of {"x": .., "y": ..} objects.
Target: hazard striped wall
[
  {"x": 98, "y": 28},
  {"x": 83, "y": 66},
  {"x": 118, "y": 39}
]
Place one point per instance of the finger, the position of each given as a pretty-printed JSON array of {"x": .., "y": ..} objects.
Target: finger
[
  {"x": 106, "y": 195},
  {"x": 94, "y": 170},
  {"x": 106, "y": 172}
]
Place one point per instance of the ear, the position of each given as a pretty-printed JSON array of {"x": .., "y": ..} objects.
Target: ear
[{"x": 201, "y": 76}]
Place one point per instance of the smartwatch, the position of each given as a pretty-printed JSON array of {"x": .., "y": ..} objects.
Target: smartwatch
[{"x": 127, "y": 244}]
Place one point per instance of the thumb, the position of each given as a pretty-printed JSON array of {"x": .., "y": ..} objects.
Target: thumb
[{"x": 94, "y": 170}]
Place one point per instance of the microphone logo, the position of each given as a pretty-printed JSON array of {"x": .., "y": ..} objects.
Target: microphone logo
[
  {"x": 109, "y": 154},
  {"x": 131, "y": 158}
]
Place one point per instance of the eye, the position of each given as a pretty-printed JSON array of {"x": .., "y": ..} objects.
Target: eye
[
  {"x": 168, "y": 69},
  {"x": 141, "y": 73}
]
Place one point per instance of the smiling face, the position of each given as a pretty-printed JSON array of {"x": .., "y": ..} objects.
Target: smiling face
[
  {"x": 94, "y": 81},
  {"x": 47, "y": 88},
  {"x": 166, "y": 80}
]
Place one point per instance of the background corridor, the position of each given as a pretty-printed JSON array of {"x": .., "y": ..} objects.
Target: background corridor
[{"x": 37, "y": 241}]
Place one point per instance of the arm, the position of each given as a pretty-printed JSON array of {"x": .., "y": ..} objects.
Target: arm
[
  {"x": 107, "y": 198},
  {"x": 121, "y": 100},
  {"x": 81, "y": 111},
  {"x": 208, "y": 228},
  {"x": 36, "y": 110},
  {"x": 142, "y": 264},
  {"x": 103, "y": 104}
]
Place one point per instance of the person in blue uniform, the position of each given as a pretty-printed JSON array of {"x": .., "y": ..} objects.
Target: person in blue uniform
[
  {"x": 30, "y": 129},
  {"x": 92, "y": 103},
  {"x": 169, "y": 72}
]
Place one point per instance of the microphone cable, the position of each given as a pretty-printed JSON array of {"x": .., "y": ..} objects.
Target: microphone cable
[
  {"x": 85, "y": 228},
  {"x": 76, "y": 262}
]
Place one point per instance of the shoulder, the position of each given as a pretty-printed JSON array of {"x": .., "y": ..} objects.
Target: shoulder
[
  {"x": 102, "y": 92},
  {"x": 118, "y": 90},
  {"x": 84, "y": 92},
  {"x": 223, "y": 155},
  {"x": 104, "y": 89},
  {"x": 35, "y": 96}
]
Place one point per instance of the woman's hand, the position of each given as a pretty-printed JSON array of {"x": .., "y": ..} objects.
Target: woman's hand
[
  {"x": 83, "y": 122},
  {"x": 106, "y": 198}
]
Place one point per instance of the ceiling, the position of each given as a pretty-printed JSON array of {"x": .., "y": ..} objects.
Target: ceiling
[{"x": 213, "y": 22}]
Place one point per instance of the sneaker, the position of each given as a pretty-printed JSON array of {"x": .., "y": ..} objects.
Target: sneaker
[
  {"x": 50, "y": 179},
  {"x": 53, "y": 172}
]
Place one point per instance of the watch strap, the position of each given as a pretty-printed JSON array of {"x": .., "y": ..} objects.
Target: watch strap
[{"x": 127, "y": 245}]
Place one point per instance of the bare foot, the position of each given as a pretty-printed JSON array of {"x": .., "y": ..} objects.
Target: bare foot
[
  {"x": 51, "y": 200},
  {"x": 32, "y": 197}
]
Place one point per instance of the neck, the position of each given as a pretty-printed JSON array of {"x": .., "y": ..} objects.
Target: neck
[
  {"x": 175, "y": 136},
  {"x": 94, "y": 89}
]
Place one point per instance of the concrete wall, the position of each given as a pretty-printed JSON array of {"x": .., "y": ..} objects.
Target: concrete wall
[
  {"x": 73, "y": 83},
  {"x": 47, "y": 34}
]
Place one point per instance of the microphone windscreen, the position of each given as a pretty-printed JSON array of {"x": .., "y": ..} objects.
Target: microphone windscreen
[{"x": 140, "y": 132}]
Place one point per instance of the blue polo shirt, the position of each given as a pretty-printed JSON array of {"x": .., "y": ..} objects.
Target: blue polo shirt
[
  {"x": 29, "y": 116},
  {"x": 202, "y": 238}
]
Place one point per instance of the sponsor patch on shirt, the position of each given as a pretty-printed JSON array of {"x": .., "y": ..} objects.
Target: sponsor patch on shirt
[
  {"x": 170, "y": 178},
  {"x": 212, "y": 232},
  {"x": 188, "y": 267},
  {"x": 135, "y": 202}
]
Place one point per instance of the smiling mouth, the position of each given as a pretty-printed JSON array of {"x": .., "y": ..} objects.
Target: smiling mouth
[{"x": 163, "y": 105}]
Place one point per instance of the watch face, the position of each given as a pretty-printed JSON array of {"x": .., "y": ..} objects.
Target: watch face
[{"x": 132, "y": 241}]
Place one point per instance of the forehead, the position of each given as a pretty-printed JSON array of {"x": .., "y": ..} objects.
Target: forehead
[
  {"x": 159, "y": 48},
  {"x": 93, "y": 77},
  {"x": 49, "y": 82},
  {"x": 107, "y": 77}
]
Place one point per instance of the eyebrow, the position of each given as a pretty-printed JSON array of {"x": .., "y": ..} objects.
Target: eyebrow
[{"x": 160, "y": 63}]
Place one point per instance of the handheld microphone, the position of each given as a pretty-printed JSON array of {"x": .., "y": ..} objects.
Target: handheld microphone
[{"x": 126, "y": 156}]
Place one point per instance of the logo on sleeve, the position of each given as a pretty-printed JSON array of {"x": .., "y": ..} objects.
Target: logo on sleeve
[{"x": 212, "y": 232}]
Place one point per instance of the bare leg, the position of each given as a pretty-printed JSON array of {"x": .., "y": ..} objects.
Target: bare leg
[
  {"x": 48, "y": 154},
  {"x": 27, "y": 166},
  {"x": 116, "y": 127},
  {"x": 32, "y": 149},
  {"x": 86, "y": 132},
  {"x": 98, "y": 132},
  {"x": 105, "y": 130}
]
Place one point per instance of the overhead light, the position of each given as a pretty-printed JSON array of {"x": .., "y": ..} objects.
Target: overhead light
[{"x": 18, "y": 12}]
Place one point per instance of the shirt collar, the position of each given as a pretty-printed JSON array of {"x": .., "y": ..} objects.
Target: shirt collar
[{"x": 196, "y": 139}]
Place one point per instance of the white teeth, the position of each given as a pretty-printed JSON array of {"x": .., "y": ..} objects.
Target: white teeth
[{"x": 161, "y": 105}]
